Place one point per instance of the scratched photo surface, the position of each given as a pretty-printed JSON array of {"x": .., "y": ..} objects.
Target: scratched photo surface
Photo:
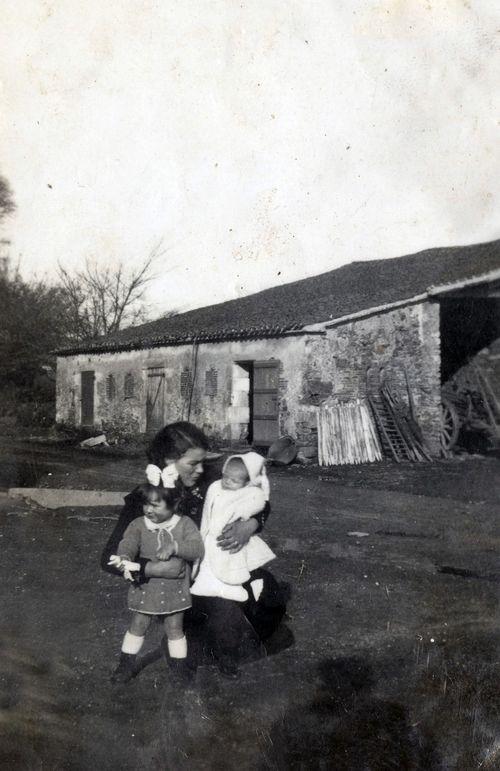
[{"x": 278, "y": 221}]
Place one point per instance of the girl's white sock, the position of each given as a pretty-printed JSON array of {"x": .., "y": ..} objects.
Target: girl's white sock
[
  {"x": 178, "y": 648},
  {"x": 132, "y": 643}
]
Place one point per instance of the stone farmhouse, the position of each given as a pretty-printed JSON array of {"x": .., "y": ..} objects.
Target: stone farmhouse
[{"x": 255, "y": 368}]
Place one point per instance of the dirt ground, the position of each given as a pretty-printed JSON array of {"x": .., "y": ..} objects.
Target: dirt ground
[{"x": 394, "y": 580}]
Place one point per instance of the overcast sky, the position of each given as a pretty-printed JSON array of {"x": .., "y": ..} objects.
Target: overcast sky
[{"x": 261, "y": 141}]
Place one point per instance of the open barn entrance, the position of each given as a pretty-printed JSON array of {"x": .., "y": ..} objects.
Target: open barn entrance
[
  {"x": 469, "y": 325},
  {"x": 470, "y": 367}
]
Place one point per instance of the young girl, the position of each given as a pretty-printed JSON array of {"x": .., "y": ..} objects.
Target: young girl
[
  {"x": 169, "y": 541},
  {"x": 241, "y": 492}
]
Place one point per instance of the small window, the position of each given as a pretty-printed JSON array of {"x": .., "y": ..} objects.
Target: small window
[
  {"x": 129, "y": 386},
  {"x": 110, "y": 388},
  {"x": 186, "y": 382},
  {"x": 211, "y": 382}
]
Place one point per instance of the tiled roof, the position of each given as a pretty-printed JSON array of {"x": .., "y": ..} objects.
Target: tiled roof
[{"x": 350, "y": 289}]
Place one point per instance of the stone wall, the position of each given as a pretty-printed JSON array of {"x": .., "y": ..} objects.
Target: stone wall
[
  {"x": 201, "y": 383},
  {"x": 407, "y": 337}
]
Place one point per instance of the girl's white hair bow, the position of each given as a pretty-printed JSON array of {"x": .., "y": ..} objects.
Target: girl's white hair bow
[{"x": 168, "y": 476}]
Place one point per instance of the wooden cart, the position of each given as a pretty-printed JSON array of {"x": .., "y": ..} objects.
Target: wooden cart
[{"x": 473, "y": 405}]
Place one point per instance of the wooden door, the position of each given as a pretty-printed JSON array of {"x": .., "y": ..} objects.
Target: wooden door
[
  {"x": 87, "y": 391},
  {"x": 155, "y": 399},
  {"x": 265, "y": 402}
]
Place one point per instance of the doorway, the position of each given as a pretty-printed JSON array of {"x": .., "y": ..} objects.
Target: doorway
[
  {"x": 87, "y": 391},
  {"x": 467, "y": 326},
  {"x": 254, "y": 402}
]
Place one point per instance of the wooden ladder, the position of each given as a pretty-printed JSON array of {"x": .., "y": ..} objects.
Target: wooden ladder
[
  {"x": 407, "y": 426},
  {"x": 397, "y": 426},
  {"x": 393, "y": 442}
]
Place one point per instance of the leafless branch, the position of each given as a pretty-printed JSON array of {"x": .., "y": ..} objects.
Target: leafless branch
[{"x": 102, "y": 300}]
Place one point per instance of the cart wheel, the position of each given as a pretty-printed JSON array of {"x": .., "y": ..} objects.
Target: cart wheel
[{"x": 450, "y": 425}]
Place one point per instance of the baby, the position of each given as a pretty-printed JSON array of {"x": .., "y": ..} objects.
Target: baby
[{"x": 241, "y": 493}]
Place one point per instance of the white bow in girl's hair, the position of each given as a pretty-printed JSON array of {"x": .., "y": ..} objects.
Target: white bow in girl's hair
[{"x": 167, "y": 477}]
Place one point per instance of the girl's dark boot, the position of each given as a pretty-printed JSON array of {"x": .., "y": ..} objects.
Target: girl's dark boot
[
  {"x": 182, "y": 670},
  {"x": 126, "y": 669}
]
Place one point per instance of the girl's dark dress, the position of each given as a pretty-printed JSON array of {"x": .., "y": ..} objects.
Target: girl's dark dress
[{"x": 214, "y": 624}]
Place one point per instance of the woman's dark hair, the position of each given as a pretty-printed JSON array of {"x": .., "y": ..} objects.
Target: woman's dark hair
[
  {"x": 174, "y": 440},
  {"x": 147, "y": 492}
]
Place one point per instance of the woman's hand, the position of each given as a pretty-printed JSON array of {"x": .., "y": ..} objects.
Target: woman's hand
[
  {"x": 172, "y": 568},
  {"x": 236, "y": 535}
]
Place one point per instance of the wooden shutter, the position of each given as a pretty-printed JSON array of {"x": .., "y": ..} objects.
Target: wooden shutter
[
  {"x": 87, "y": 391},
  {"x": 155, "y": 399},
  {"x": 265, "y": 402}
]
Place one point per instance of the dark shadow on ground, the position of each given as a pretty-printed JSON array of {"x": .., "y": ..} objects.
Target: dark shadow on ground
[
  {"x": 430, "y": 709},
  {"x": 346, "y": 727}
]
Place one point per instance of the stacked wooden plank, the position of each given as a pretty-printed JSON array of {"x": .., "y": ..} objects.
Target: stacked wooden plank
[
  {"x": 347, "y": 434},
  {"x": 407, "y": 425},
  {"x": 400, "y": 434}
]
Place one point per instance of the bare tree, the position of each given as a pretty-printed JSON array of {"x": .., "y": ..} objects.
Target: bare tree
[
  {"x": 7, "y": 205},
  {"x": 102, "y": 299}
]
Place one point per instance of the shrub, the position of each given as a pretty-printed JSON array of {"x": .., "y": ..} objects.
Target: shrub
[
  {"x": 120, "y": 427},
  {"x": 35, "y": 414}
]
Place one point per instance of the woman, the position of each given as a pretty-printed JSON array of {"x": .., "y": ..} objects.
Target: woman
[{"x": 186, "y": 446}]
